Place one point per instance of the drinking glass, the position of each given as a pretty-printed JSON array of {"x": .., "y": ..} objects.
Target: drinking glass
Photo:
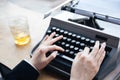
[{"x": 20, "y": 30}]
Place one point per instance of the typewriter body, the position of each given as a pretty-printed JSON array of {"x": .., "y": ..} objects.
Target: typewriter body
[{"x": 79, "y": 33}]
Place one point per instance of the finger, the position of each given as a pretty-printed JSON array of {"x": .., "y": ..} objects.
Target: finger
[
  {"x": 51, "y": 35},
  {"x": 55, "y": 48},
  {"x": 101, "y": 51},
  {"x": 101, "y": 58},
  {"x": 51, "y": 56},
  {"x": 78, "y": 55},
  {"x": 95, "y": 49},
  {"x": 45, "y": 38},
  {"x": 86, "y": 50},
  {"x": 56, "y": 39}
]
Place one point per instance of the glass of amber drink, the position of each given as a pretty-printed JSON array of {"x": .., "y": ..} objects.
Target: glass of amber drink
[{"x": 20, "y": 30}]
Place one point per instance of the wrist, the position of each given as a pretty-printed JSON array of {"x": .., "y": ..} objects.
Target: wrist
[
  {"x": 32, "y": 64},
  {"x": 73, "y": 77},
  {"x": 79, "y": 77},
  {"x": 35, "y": 65}
]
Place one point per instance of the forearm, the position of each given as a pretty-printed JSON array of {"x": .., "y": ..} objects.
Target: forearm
[{"x": 23, "y": 71}]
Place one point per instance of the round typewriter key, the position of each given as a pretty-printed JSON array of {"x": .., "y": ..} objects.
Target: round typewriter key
[
  {"x": 78, "y": 37},
  {"x": 56, "y": 35},
  {"x": 82, "y": 45},
  {"x": 71, "y": 52},
  {"x": 91, "y": 48},
  {"x": 49, "y": 32},
  {"x": 92, "y": 42},
  {"x": 67, "y": 51},
  {"x": 67, "y": 45},
  {"x": 82, "y": 39},
  {"x": 53, "y": 28},
  {"x": 76, "y": 49},
  {"x": 61, "y": 32},
  {"x": 71, "y": 47},
  {"x": 64, "y": 38},
  {"x": 66, "y": 33},
  {"x": 68, "y": 39},
  {"x": 87, "y": 41},
  {"x": 58, "y": 43},
  {"x": 57, "y": 30},
  {"x": 74, "y": 35},
  {"x": 69, "y": 34},
  {"x": 63, "y": 43},
  {"x": 77, "y": 43},
  {"x": 73, "y": 42},
  {"x": 80, "y": 50}
]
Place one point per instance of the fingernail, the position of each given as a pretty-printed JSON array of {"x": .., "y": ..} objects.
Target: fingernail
[
  {"x": 63, "y": 50},
  {"x": 54, "y": 32},
  {"x": 104, "y": 43},
  {"x": 55, "y": 53},
  {"x": 97, "y": 41},
  {"x": 61, "y": 36}
]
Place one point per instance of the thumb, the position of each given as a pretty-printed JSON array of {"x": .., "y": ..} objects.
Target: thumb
[{"x": 52, "y": 56}]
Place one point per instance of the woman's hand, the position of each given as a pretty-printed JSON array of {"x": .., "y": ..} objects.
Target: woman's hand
[{"x": 86, "y": 65}]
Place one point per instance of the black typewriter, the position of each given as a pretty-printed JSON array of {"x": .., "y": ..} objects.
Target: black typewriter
[{"x": 79, "y": 33}]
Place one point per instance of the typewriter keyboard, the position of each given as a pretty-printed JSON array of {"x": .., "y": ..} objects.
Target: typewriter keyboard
[{"x": 72, "y": 42}]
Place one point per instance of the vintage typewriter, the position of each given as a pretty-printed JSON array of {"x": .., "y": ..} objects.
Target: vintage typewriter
[{"x": 82, "y": 32}]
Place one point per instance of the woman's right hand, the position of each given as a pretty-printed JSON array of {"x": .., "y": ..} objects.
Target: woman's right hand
[{"x": 86, "y": 64}]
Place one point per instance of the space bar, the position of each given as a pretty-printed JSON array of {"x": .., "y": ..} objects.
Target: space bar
[{"x": 65, "y": 57}]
